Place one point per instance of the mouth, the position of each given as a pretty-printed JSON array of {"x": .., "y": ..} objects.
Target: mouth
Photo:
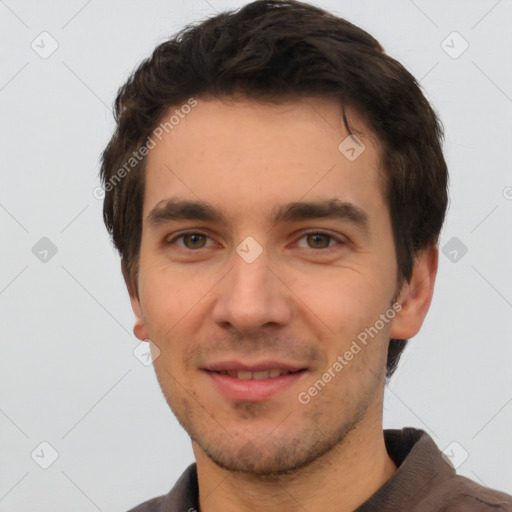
[
  {"x": 245, "y": 382},
  {"x": 256, "y": 375}
]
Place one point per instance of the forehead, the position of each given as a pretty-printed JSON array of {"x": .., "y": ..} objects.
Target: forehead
[{"x": 248, "y": 155}]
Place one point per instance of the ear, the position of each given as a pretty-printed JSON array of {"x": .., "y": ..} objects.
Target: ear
[
  {"x": 416, "y": 295},
  {"x": 139, "y": 329}
]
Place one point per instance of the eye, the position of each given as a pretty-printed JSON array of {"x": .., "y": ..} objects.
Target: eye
[
  {"x": 319, "y": 240},
  {"x": 195, "y": 240},
  {"x": 192, "y": 240}
]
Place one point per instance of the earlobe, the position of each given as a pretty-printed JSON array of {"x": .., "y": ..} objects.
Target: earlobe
[
  {"x": 416, "y": 295},
  {"x": 139, "y": 329}
]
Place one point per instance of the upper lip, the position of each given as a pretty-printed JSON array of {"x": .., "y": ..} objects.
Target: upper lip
[{"x": 252, "y": 367}]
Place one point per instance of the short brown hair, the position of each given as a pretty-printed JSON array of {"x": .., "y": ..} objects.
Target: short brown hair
[{"x": 276, "y": 49}]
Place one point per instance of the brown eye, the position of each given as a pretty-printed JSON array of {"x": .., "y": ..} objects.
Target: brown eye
[
  {"x": 318, "y": 240},
  {"x": 192, "y": 240},
  {"x": 197, "y": 240},
  {"x": 321, "y": 242}
]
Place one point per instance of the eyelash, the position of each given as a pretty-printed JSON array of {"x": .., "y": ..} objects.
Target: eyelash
[{"x": 304, "y": 234}]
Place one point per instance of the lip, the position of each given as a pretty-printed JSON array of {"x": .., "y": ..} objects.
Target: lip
[
  {"x": 253, "y": 390},
  {"x": 268, "y": 364}
]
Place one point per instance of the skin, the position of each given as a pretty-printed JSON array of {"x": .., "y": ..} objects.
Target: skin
[{"x": 298, "y": 301}]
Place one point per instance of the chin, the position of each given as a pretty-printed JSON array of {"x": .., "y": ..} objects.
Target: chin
[{"x": 280, "y": 457}]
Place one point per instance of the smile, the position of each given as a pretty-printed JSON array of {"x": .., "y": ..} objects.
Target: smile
[
  {"x": 253, "y": 386},
  {"x": 259, "y": 375}
]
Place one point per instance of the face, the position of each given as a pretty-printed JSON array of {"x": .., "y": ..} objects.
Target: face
[{"x": 256, "y": 283}]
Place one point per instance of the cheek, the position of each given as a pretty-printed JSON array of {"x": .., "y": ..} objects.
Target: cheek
[
  {"x": 167, "y": 293},
  {"x": 175, "y": 304},
  {"x": 346, "y": 300}
]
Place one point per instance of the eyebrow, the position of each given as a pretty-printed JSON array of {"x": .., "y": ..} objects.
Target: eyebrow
[{"x": 184, "y": 209}]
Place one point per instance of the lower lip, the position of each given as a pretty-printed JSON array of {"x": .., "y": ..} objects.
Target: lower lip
[{"x": 253, "y": 389}]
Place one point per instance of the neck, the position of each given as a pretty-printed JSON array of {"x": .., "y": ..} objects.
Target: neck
[{"x": 340, "y": 480}]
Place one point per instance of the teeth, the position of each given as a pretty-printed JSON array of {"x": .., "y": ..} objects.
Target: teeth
[
  {"x": 259, "y": 375},
  {"x": 264, "y": 374},
  {"x": 244, "y": 375}
]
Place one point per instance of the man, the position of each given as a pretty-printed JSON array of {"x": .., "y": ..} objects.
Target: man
[{"x": 276, "y": 188}]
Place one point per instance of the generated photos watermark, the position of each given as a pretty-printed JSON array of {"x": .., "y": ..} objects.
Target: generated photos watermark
[
  {"x": 304, "y": 397},
  {"x": 143, "y": 151}
]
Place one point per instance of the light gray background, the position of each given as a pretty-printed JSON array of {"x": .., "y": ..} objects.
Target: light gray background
[{"x": 68, "y": 373}]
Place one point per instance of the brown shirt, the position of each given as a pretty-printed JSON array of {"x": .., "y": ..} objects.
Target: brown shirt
[{"x": 423, "y": 482}]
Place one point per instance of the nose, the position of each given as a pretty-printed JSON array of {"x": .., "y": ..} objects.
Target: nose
[{"x": 252, "y": 296}]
